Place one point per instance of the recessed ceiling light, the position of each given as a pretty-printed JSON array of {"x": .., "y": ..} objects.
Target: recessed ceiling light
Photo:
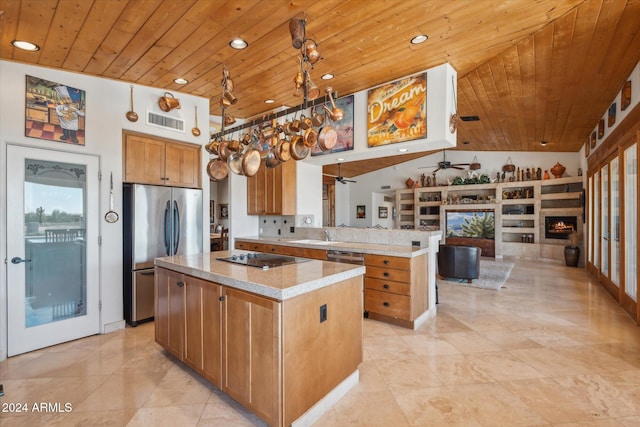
[
  {"x": 327, "y": 76},
  {"x": 181, "y": 81},
  {"x": 403, "y": 150},
  {"x": 419, "y": 39},
  {"x": 238, "y": 44},
  {"x": 269, "y": 101},
  {"x": 21, "y": 44}
]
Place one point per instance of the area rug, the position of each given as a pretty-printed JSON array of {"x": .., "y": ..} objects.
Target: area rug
[{"x": 493, "y": 275}]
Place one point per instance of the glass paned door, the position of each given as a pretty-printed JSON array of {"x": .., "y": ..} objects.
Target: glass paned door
[
  {"x": 614, "y": 226},
  {"x": 631, "y": 222},
  {"x": 596, "y": 220},
  {"x": 604, "y": 223},
  {"x": 52, "y": 246},
  {"x": 590, "y": 224}
]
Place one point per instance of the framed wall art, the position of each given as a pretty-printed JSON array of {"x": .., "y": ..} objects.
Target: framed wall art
[
  {"x": 397, "y": 111},
  {"x": 224, "y": 210},
  {"x": 600, "y": 128},
  {"x": 593, "y": 140},
  {"x": 587, "y": 147},
  {"x": 54, "y": 111},
  {"x": 361, "y": 211},
  {"x": 344, "y": 127},
  {"x": 625, "y": 100},
  {"x": 383, "y": 212},
  {"x": 612, "y": 115},
  {"x": 212, "y": 211}
]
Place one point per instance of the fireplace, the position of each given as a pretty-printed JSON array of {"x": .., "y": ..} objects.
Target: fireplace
[{"x": 559, "y": 227}]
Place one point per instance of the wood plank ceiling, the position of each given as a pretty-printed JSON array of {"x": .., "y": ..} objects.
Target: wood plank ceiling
[{"x": 531, "y": 70}]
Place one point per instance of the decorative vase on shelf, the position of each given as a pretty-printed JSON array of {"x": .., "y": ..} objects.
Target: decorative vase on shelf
[
  {"x": 557, "y": 170},
  {"x": 546, "y": 175},
  {"x": 409, "y": 183}
]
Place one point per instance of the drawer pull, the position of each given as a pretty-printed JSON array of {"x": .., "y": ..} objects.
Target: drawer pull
[
  {"x": 386, "y": 262},
  {"x": 386, "y": 304},
  {"x": 386, "y": 286},
  {"x": 386, "y": 274},
  {"x": 180, "y": 284}
]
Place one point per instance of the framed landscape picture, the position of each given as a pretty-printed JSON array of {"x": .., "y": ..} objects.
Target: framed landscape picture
[
  {"x": 54, "y": 111},
  {"x": 397, "y": 111}
]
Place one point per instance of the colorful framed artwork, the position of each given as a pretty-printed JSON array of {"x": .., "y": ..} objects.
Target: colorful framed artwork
[
  {"x": 612, "y": 115},
  {"x": 54, "y": 111},
  {"x": 224, "y": 210},
  {"x": 600, "y": 128},
  {"x": 397, "y": 111},
  {"x": 625, "y": 100},
  {"x": 361, "y": 211},
  {"x": 593, "y": 140},
  {"x": 212, "y": 211},
  {"x": 383, "y": 212},
  {"x": 344, "y": 127}
]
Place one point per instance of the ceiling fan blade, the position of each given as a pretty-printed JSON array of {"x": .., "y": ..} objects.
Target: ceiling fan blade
[
  {"x": 349, "y": 180},
  {"x": 457, "y": 167},
  {"x": 462, "y": 164},
  {"x": 437, "y": 169}
]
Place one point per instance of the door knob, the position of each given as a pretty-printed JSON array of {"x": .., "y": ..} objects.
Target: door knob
[{"x": 18, "y": 260}]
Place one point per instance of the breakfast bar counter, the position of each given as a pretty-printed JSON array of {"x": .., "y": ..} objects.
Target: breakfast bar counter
[{"x": 285, "y": 341}]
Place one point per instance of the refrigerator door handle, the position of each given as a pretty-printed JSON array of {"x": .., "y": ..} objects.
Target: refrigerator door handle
[
  {"x": 176, "y": 227},
  {"x": 167, "y": 230}
]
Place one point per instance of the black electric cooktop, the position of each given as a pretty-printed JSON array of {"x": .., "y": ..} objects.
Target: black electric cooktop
[{"x": 261, "y": 260}]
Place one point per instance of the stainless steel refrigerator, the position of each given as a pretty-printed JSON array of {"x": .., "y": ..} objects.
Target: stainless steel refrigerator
[{"x": 157, "y": 221}]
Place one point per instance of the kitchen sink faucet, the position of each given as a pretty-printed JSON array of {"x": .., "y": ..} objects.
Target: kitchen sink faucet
[{"x": 326, "y": 235}]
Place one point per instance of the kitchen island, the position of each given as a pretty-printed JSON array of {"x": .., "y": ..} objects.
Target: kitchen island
[
  {"x": 285, "y": 342},
  {"x": 400, "y": 279}
]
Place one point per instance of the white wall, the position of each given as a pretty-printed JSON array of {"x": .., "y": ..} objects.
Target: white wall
[{"x": 107, "y": 104}]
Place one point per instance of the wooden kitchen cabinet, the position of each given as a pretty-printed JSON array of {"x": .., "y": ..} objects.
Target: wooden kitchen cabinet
[
  {"x": 169, "y": 311},
  {"x": 395, "y": 288},
  {"x": 251, "y": 352},
  {"x": 272, "y": 191},
  {"x": 151, "y": 160},
  {"x": 203, "y": 328}
]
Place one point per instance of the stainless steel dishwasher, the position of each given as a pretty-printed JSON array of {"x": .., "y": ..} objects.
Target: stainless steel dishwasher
[{"x": 347, "y": 257}]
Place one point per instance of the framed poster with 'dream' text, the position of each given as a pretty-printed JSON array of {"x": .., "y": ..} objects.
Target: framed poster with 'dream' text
[{"x": 397, "y": 111}]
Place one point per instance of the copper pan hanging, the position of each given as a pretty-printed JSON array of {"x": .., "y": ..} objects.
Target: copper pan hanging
[{"x": 217, "y": 170}]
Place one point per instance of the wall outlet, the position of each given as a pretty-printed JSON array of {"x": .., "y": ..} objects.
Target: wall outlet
[
  {"x": 279, "y": 231},
  {"x": 292, "y": 229},
  {"x": 415, "y": 243},
  {"x": 323, "y": 313}
]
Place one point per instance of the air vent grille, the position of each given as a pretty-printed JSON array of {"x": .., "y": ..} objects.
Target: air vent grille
[{"x": 165, "y": 122}]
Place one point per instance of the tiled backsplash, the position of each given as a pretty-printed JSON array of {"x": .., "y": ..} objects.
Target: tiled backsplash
[{"x": 280, "y": 226}]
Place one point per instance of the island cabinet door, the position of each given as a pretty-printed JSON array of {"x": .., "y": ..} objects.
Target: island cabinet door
[
  {"x": 169, "y": 314},
  {"x": 203, "y": 317},
  {"x": 251, "y": 353}
]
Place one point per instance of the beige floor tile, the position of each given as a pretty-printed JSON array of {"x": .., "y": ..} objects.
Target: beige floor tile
[
  {"x": 180, "y": 386},
  {"x": 469, "y": 342},
  {"x": 371, "y": 409},
  {"x": 435, "y": 406},
  {"x": 426, "y": 345},
  {"x": 121, "y": 392},
  {"x": 182, "y": 415},
  {"x": 387, "y": 347},
  {"x": 629, "y": 421},
  {"x": 457, "y": 369},
  {"x": 406, "y": 373},
  {"x": 509, "y": 339}
]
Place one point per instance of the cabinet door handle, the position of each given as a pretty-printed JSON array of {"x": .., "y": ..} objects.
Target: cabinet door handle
[
  {"x": 386, "y": 286},
  {"x": 386, "y": 274},
  {"x": 221, "y": 298},
  {"x": 180, "y": 284},
  {"x": 386, "y": 304},
  {"x": 386, "y": 262}
]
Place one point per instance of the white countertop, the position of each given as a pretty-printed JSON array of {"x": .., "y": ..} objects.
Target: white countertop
[
  {"x": 279, "y": 283},
  {"x": 367, "y": 248}
]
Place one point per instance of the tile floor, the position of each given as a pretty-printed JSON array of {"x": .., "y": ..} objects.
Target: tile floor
[{"x": 551, "y": 348}]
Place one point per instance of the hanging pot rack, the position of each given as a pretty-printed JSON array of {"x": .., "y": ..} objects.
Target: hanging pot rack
[{"x": 275, "y": 115}]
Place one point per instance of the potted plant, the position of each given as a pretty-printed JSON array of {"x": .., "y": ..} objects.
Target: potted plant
[{"x": 572, "y": 250}]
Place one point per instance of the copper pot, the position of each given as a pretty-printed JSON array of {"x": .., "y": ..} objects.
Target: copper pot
[
  {"x": 282, "y": 150},
  {"x": 235, "y": 163},
  {"x": 305, "y": 122},
  {"x": 217, "y": 169},
  {"x": 335, "y": 113},
  {"x": 311, "y": 137},
  {"x": 298, "y": 148},
  {"x": 223, "y": 151},
  {"x": 251, "y": 162},
  {"x": 311, "y": 50},
  {"x": 234, "y": 146},
  {"x": 317, "y": 119},
  {"x": 327, "y": 138},
  {"x": 271, "y": 161},
  {"x": 168, "y": 102},
  {"x": 212, "y": 147}
]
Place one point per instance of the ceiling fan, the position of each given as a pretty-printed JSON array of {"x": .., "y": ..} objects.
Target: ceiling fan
[
  {"x": 444, "y": 164},
  {"x": 340, "y": 178}
]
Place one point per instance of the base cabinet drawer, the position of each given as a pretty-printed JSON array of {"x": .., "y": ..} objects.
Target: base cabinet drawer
[
  {"x": 387, "y": 286},
  {"x": 389, "y": 274},
  {"x": 388, "y": 304}
]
